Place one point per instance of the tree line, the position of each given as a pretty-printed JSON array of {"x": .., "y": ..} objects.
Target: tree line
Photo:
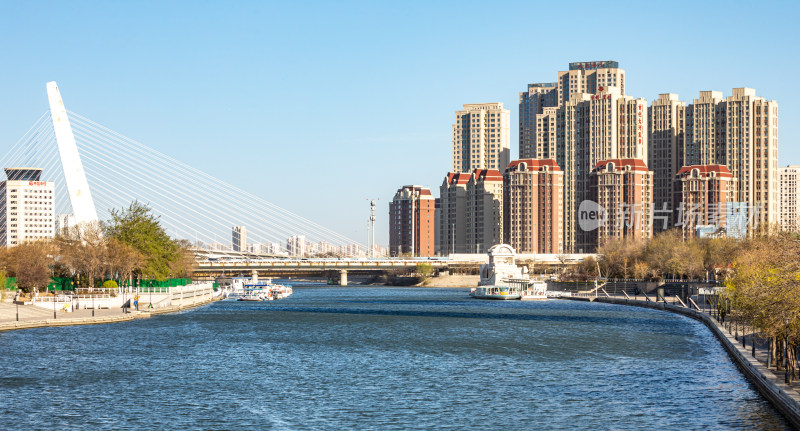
[
  {"x": 669, "y": 255},
  {"x": 131, "y": 245}
]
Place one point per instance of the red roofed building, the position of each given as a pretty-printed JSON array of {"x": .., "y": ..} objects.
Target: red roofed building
[
  {"x": 623, "y": 188},
  {"x": 411, "y": 222},
  {"x": 484, "y": 221},
  {"x": 702, "y": 193},
  {"x": 533, "y": 206}
]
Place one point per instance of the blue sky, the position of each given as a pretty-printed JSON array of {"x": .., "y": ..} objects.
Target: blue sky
[{"x": 317, "y": 106}]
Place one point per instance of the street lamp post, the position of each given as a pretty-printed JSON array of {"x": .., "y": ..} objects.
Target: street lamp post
[
  {"x": 92, "y": 292},
  {"x": 787, "y": 379},
  {"x": 413, "y": 233}
]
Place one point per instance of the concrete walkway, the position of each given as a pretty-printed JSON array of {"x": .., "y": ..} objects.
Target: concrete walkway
[{"x": 31, "y": 316}]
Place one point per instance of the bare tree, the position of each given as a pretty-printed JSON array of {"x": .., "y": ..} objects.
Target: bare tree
[
  {"x": 83, "y": 249},
  {"x": 30, "y": 262}
]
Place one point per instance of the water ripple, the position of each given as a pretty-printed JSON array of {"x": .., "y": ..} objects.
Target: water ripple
[{"x": 344, "y": 358}]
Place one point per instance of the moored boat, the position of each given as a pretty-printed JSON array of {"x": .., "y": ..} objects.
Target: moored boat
[
  {"x": 257, "y": 291},
  {"x": 495, "y": 292},
  {"x": 501, "y": 278}
]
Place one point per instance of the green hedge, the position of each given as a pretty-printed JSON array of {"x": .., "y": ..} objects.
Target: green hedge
[
  {"x": 65, "y": 283},
  {"x": 172, "y": 282}
]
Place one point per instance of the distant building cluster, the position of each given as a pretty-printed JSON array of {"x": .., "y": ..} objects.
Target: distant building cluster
[
  {"x": 295, "y": 246},
  {"x": 596, "y": 164}
]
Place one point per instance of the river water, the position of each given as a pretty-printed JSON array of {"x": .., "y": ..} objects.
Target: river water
[{"x": 388, "y": 358}]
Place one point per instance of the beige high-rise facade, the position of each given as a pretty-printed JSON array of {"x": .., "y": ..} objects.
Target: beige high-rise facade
[
  {"x": 789, "y": 177},
  {"x": 537, "y": 131},
  {"x": 585, "y": 117},
  {"x": 580, "y": 119},
  {"x": 741, "y": 132},
  {"x": 484, "y": 210},
  {"x": 601, "y": 126},
  {"x": 589, "y": 77},
  {"x": 532, "y": 203},
  {"x": 452, "y": 214},
  {"x": 667, "y": 129},
  {"x": 751, "y": 152},
  {"x": 705, "y": 130},
  {"x": 539, "y": 116},
  {"x": 481, "y": 137}
]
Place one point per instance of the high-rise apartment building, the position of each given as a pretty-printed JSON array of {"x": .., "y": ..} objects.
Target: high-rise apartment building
[
  {"x": 789, "y": 178},
  {"x": 239, "y": 238},
  {"x": 539, "y": 118},
  {"x": 571, "y": 121},
  {"x": 597, "y": 127},
  {"x": 666, "y": 123},
  {"x": 481, "y": 137},
  {"x": 589, "y": 77},
  {"x": 28, "y": 205},
  {"x": 705, "y": 130},
  {"x": 296, "y": 245},
  {"x": 702, "y": 196},
  {"x": 536, "y": 132},
  {"x": 582, "y": 118},
  {"x": 741, "y": 132},
  {"x": 751, "y": 152},
  {"x": 484, "y": 221},
  {"x": 623, "y": 189},
  {"x": 532, "y": 205},
  {"x": 452, "y": 214},
  {"x": 411, "y": 222}
]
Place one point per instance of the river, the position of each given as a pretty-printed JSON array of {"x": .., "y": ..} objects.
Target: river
[{"x": 388, "y": 358}]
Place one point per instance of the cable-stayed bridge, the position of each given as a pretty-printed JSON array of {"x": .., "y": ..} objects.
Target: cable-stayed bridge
[{"x": 96, "y": 169}]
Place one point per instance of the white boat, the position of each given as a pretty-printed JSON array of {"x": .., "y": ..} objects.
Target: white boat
[
  {"x": 501, "y": 278},
  {"x": 280, "y": 291},
  {"x": 535, "y": 291},
  {"x": 235, "y": 291},
  {"x": 247, "y": 290},
  {"x": 255, "y": 294}
]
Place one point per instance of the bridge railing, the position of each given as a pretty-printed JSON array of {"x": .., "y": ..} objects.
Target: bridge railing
[{"x": 324, "y": 262}]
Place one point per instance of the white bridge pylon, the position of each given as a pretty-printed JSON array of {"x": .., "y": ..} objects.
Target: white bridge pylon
[
  {"x": 80, "y": 197},
  {"x": 191, "y": 204}
]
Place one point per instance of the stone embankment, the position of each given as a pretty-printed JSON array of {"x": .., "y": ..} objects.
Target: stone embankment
[
  {"x": 451, "y": 281},
  {"x": 783, "y": 397},
  {"x": 31, "y": 316}
]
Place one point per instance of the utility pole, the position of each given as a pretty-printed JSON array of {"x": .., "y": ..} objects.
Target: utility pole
[{"x": 372, "y": 205}]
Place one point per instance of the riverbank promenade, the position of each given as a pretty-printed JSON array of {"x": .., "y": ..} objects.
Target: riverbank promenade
[{"x": 25, "y": 316}]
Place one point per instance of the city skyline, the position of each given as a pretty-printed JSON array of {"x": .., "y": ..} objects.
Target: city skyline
[{"x": 209, "y": 100}]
